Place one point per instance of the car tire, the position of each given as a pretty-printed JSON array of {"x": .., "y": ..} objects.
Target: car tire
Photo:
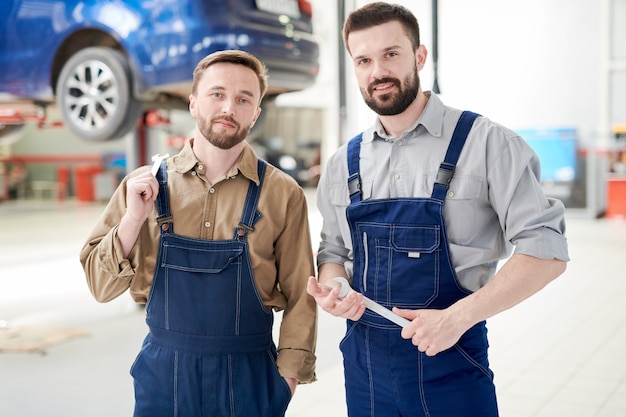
[{"x": 94, "y": 95}]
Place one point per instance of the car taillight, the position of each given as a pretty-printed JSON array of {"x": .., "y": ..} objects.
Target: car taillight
[{"x": 305, "y": 7}]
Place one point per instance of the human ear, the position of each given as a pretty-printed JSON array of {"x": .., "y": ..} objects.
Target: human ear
[
  {"x": 420, "y": 57},
  {"x": 192, "y": 106},
  {"x": 256, "y": 116}
]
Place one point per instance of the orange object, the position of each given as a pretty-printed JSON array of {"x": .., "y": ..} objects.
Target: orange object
[
  {"x": 616, "y": 197},
  {"x": 63, "y": 181},
  {"x": 84, "y": 181}
]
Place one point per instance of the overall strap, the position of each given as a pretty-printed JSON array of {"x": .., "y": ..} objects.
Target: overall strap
[
  {"x": 250, "y": 215},
  {"x": 164, "y": 219},
  {"x": 354, "y": 179},
  {"x": 447, "y": 167}
]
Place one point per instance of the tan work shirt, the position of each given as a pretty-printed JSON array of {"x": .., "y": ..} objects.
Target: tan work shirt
[{"x": 280, "y": 245}]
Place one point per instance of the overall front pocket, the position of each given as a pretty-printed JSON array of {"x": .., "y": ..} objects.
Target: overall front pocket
[{"x": 402, "y": 264}]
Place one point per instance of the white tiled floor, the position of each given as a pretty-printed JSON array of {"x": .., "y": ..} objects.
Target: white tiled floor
[{"x": 561, "y": 353}]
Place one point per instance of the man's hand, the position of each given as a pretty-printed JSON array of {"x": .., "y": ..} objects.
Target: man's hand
[
  {"x": 432, "y": 331},
  {"x": 293, "y": 383},
  {"x": 141, "y": 191},
  {"x": 521, "y": 276},
  {"x": 351, "y": 307}
]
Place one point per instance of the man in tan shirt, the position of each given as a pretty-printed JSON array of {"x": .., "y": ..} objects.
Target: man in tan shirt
[{"x": 213, "y": 244}]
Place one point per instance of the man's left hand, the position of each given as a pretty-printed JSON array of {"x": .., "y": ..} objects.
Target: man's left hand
[
  {"x": 432, "y": 331},
  {"x": 293, "y": 383}
]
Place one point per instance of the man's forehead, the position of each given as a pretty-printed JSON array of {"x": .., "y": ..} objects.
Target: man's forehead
[
  {"x": 230, "y": 76},
  {"x": 378, "y": 39}
]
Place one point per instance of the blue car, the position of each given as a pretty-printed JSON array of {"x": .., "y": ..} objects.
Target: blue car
[{"x": 104, "y": 62}]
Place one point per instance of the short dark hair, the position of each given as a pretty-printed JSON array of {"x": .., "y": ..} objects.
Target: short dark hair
[
  {"x": 374, "y": 14},
  {"x": 233, "y": 57}
]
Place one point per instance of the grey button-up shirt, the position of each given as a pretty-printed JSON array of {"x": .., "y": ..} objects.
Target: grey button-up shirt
[{"x": 495, "y": 203}]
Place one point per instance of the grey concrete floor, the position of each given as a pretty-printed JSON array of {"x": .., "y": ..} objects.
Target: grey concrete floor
[{"x": 560, "y": 353}]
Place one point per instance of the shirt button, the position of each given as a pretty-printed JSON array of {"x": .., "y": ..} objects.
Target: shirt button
[
  {"x": 211, "y": 190},
  {"x": 194, "y": 173},
  {"x": 397, "y": 176},
  {"x": 207, "y": 224},
  {"x": 450, "y": 193},
  {"x": 399, "y": 143},
  {"x": 200, "y": 167}
]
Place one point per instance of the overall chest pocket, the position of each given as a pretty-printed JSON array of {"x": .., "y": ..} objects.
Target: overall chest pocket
[
  {"x": 401, "y": 264},
  {"x": 211, "y": 260},
  {"x": 199, "y": 284}
]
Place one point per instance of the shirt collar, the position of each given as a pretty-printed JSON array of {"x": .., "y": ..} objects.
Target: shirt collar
[
  {"x": 431, "y": 118},
  {"x": 247, "y": 165},
  {"x": 186, "y": 161}
]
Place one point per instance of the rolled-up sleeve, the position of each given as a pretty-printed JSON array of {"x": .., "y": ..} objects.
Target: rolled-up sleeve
[
  {"x": 108, "y": 273},
  {"x": 298, "y": 328},
  {"x": 531, "y": 221}
]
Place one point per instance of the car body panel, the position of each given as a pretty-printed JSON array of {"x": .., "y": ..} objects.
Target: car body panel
[{"x": 163, "y": 41}]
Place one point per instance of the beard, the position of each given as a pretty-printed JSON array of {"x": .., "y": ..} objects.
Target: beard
[
  {"x": 392, "y": 104},
  {"x": 222, "y": 141}
]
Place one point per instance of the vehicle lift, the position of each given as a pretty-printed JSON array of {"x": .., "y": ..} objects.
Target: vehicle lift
[{"x": 137, "y": 147}]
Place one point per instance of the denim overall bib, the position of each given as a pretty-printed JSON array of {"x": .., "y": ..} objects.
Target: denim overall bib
[
  {"x": 209, "y": 351},
  {"x": 402, "y": 259}
]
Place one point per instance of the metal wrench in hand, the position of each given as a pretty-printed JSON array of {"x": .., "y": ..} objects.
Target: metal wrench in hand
[{"x": 158, "y": 158}]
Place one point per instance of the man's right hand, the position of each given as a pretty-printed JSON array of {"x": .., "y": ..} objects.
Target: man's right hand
[
  {"x": 141, "y": 191},
  {"x": 326, "y": 296}
]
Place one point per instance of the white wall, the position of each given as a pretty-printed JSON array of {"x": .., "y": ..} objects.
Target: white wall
[
  {"x": 523, "y": 63},
  {"x": 526, "y": 64}
]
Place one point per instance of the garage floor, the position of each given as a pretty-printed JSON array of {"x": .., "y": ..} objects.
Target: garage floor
[{"x": 561, "y": 353}]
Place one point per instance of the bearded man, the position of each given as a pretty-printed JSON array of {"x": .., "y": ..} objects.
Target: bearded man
[{"x": 213, "y": 244}]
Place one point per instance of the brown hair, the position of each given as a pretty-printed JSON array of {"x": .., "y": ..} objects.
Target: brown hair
[
  {"x": 374, "y": 14},
  {"x": 232, "y": 57}
]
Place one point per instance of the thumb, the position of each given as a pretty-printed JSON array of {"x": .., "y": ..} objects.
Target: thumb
[{"x": 312, "y": 286}]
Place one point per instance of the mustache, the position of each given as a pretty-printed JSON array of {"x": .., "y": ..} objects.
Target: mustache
[
  {"x": 226, "y": 119},
  {"x": 386, "y": 80}
]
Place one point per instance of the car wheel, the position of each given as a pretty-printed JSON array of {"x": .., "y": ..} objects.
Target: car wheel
[{"x": 94, "y": 95}]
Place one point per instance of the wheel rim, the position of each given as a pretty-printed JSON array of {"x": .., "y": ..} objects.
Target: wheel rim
[{"x": 91, "y": 95}]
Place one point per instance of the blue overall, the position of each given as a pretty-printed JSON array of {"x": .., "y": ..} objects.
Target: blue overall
[
  {"x": 402, "y": 258},
  {"x": 209, "y": 351}
]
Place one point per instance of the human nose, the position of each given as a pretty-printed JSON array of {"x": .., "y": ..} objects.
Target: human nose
[
  {"x": 379, "y": 70},
  {"x": 228, "y": 107}
]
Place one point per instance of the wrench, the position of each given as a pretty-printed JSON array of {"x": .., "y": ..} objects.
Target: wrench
[
  {"x": 370, "y": 304},
  {"x": 157, "y": 158}
]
